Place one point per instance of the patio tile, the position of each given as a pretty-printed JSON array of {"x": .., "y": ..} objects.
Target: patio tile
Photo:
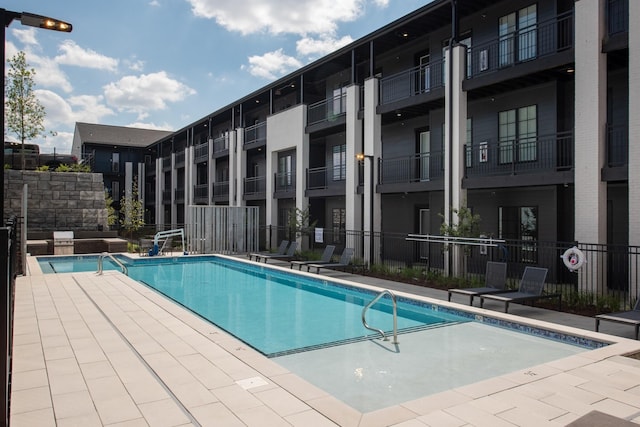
[
  {"x": 163, "y": 413},
  {"x": 40, "y": 418},
  {"x": 29, "y": 379},
  {"x": 281, "y": 401},
  {"x": 32, "y": 399},
  {"x": 441, "y": 418},
  {"x": 74, "y": 404},
  {"x": 216, "y": 414}
]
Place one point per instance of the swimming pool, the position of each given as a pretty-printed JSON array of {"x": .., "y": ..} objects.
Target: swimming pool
[{"x": 312, "y": 327}]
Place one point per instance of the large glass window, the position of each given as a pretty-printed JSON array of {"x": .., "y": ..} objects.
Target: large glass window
[
  {"x": 520, "y": 223},
  {"x": 518, "y": 128},
  {"x": 521, "y": 28},
  {"x": 338, "y": 223},
  {"x": 339, "y": 162},
  {"x": 284, "y": 171}
]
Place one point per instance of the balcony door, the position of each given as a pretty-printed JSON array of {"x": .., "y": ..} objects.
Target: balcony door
[
  {"x": 518, "y": 36},
  {"x": 424, "y": 154}
]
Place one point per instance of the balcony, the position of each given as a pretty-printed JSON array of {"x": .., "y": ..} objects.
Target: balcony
[
  {"x": 201, "y": 193},
  {"x": 180, "y": 159},
  {"x": 617, "y": 17},
  {"x": 256, "y": 134},
  {"x": 617, "y": 153},
  {"x": 179, "y": 195},
  {"x": 542, "y": 160},
  {"x": 419, "y": 80},
  {"x": 284, "y": 185},
  {"x": 201, "y": 153},
  {"x": 328, "y": 110},
  {"x": 326, "y": 181},
  {"x": 418, "y": 172},
  {"x": 220, "y": 191},
  {"x": 544, "y": 39},
  {"x": 221, "y": 145},
  {"x": 255, "y": 187},
  {"x": 166, "y": 163},
  {"x": 166, "y": 197}
]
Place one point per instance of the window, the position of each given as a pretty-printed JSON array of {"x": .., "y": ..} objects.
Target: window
[
  {"x": 424, "y": 78},
  {"x": 520, "y": 223},
  {"x": 115, "y": 191},
  {"x": 339, "y": 162},
  {"x": 518, "y": 128},
  {"x": 340, "y": 100},
  {"x": 469, "y": 141},
  {"x": 115, "y": 162},
  {"x": 338, "y": 223},
  {"x": 284, "y": 171},
  {"x": 518, "y": 27}
]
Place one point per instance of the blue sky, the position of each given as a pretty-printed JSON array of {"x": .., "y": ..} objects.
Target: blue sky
[{"x": 162, "y": 64}]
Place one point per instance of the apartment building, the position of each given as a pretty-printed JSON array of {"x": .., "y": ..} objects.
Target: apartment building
[{"x": 520, "y": 110}]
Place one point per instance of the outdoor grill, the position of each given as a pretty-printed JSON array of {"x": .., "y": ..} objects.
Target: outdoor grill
[{"x": 63, "y": 243}]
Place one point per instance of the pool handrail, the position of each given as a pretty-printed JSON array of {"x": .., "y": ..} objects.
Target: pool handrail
[
  {"x": 395, "y": 315},
  {"x": 104, "y": 255}
]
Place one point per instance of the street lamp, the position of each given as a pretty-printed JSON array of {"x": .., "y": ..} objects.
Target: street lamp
[{"x": 32, "y": 20}]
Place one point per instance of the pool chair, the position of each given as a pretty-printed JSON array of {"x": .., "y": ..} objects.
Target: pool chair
[
  {"x": 344, "y": 261},
  {"x": 631, "y": 317},
  {"x": 291, "y": 251},
  {"x": 282, "y": 249},
  {"x": 495, "y": 280},
  {"x": 531, "y": 287},
  {"x": 325, "y": 259}
]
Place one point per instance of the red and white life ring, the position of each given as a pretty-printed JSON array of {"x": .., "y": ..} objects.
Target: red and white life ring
[{"x": 573, "y": 258}]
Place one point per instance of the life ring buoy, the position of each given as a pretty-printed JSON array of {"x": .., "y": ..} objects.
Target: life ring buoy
[{"x": 573, "y": 258}]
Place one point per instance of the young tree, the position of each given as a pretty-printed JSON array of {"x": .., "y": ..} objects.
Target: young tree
[
  {"x": 24, "y": 115},
  {"x": 132, "y": 210}
]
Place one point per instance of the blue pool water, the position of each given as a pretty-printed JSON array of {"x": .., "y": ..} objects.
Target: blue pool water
[{"x": 273, "y": 311}]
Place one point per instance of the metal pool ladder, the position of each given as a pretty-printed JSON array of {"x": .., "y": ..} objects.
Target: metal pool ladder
[
  {"x": 104, "y": 255},
  {"x": 395, "y": 315}
]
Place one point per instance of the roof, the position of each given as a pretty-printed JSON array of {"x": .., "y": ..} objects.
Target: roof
[{"x": 118, "y": 135}]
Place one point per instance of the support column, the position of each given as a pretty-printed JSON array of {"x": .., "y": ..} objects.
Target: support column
[
  {"x": 353, "y": 200},
  {"x": 372, "y": 147},
  {"x": 233, "y": 167},
  {"x": 455, "y": 137},
  {"x": 634, "y": 139},
  {"x": 590, "y": 130},
  {"x": 241, "y": 169}
]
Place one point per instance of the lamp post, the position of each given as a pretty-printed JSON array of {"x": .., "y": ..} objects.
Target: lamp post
[
  {"x": 361, "y": 157},
  {"x": 32, "y": 20}
]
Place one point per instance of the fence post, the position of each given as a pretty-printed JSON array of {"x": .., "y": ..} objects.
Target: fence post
[{"x": 5, "y": 323}]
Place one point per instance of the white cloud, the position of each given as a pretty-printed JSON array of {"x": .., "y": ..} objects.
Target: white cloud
[
  {"x": 151, "y": 125},
  {"x": 26, "y": 36},
  {"x": 145, "y": 93},
  {"x": 48, "y": 72},
  {"x": 72, "y": 54},
  {"x": 60, "y": 143},
  {"x": 154, "y": 3},
  {"x": 272, "y": 64},
  {"x": 316, "y": 48},
  {"x": 61, "y": 113},
  {"x": 279, "y": 16}
]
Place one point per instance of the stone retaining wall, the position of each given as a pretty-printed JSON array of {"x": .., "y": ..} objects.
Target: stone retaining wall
[{"x": 57, "y": 200}]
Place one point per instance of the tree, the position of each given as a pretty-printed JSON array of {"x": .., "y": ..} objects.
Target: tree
[
  {"x": 24, "y": 114},
  {"x": 111, "y": 211},
  {"x": 132, "y": 210},
  {"x": 300, "y": 223}
]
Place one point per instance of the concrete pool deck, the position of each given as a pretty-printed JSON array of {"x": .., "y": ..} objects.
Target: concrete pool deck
[{"x": 107, "y": 351}]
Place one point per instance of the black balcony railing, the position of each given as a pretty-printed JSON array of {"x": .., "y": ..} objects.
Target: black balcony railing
[
  {"x": 201, "y": 193},
  {"x": 166, "y": 163},
  {"x": 324, "y": 177},
  {"x": 166, "y": 196},
  {"x": 220, "y": 191},
  {"x": 545, "y": 38},
  {"x": 220, "y": 144},
  {"x": 617, "y": 145},
  {"x": 255, "y": 186},
  {"x": 201, "y": 152},
  {"x": 284, "y": 182},
  {"x": 520, "y": 156},
  {"x": 327, "y": 110},
  {"x": 256, "y": 134},
  {"x": 617, "y": 16},
  {"x": 179, "y": 195},
  {"x": 410, "y": 169},
  {"x": 416, "y": 81},
  {"x": 180, "y": 158}
]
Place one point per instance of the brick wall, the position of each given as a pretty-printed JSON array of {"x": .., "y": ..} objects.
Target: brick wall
[{"x": 57, "y": 200}]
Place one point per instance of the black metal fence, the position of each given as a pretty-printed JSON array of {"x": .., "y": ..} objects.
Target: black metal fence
[
  {"x": 609, "y": 279},
  {"x": 8, "y": 267}
]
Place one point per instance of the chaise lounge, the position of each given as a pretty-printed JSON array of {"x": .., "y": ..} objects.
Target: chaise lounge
[
  {"x": 531, "y": 287},
  {"x": 345, "y": 260},
  {"x": 631, "y": 317},
  {"x": 495, "y": 280},
  {"x": 282, "y": 249},
  {"x": 324, "y": 259},
  {"x": 291, "y": 251}
]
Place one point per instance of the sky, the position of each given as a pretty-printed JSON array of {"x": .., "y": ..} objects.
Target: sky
[{"x": 163, "y": 64}]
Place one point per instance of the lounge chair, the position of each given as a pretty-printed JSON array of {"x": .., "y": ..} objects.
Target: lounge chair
[
  {"x": 344, "y": 261},
  {"x": 325, "y": 259},
  {"x": 531, "y": 287},
  {"x": 282, "y": 249},
  {"x": 495, "y": 280},
  {"x": 291, "y": 251},
  {"x": 631, "y": 317}
]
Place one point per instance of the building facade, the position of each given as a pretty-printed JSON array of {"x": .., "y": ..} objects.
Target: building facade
[{"x": 520, "y": 110}]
